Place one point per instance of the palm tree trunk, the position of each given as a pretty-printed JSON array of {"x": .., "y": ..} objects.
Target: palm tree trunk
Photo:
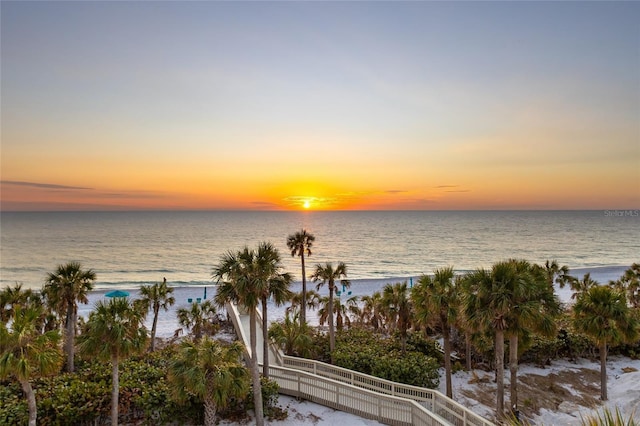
[
  {"x": 31, "y": 401},
  {"x": 255, "y": 373},
  {"x": 70, "y": 335},
  {"x": 332, "y": 333},
  {"x": 500, "y": 373},
  {"x": 153, "y": 328},
  {"x": 603, "y": 372},
  {"x": 513, "y": 371},
  {"x": 447, "y": 359},
  {"x": 265, "y": 340},
  {"x": 209, "y": 412},
  {"x": 303, "y": 310},
  {"x": 115, "y": 390},
  {"x": 467, "y": 343}
]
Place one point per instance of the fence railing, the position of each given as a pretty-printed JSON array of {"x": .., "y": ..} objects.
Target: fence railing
[
  {"x": 436, "y": 402},
  {"x": 387, "y": 409}
]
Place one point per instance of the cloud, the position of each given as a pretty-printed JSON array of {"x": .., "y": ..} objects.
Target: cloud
[
  {"x": 41, "y": 185},
  {"x": 395, "y": 191},
  {"x": 447, "y": 186},
  {"x": 264, "y": 204},
  {"x": 459, "y": 190}
]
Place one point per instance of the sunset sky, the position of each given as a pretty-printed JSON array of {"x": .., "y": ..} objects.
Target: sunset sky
[{"x": 339, "y": 105}]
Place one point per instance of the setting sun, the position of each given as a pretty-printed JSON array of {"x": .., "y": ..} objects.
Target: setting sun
[{"x": 306, "y": 204}]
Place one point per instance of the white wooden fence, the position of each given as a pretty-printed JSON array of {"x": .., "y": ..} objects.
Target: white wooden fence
[{"x": 436, "y": 402}]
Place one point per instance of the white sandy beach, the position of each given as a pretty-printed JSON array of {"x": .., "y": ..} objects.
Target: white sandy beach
[{"x": 624, "y": 387}]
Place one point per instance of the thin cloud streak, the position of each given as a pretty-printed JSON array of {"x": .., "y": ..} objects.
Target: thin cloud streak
[{"x": 42, "y": 185}]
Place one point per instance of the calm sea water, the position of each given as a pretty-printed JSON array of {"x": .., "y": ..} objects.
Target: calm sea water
[{"x": 127, "y": 249}]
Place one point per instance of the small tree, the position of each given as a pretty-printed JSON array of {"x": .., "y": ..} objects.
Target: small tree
[
  {"x": 436, "y": 302},
  {"x": 210, "y": 371},
  {"x": 299, "y": 244},
  {"x": 601, "y": 312},
  {"x": 397, "y": 305},
  {"x": 198, "y": 319},
  {"x": 115, "y": 330},
  {"x": 63, "y": 289},
  {"x": 327, "y": 274},
  {"x": 26, "y": 353},
  {"x": 156, "y": 297}
]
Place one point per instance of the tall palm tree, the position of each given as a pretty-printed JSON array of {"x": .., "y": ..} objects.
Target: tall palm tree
[
  {"x": 63, "y": 289},
  {"x": 199, "y": 319},
  {"x": 157, "y": 296},
  {"x": 486, "y": 304},
  {"x": 397, "y": 304},
  {"x": 114, "y": 331},
  {"x": 238, "y": 282},
  {"x": 26, "y": 353},
  {"x": 299, "y": 244},
  {"x": 327, "y": 274},
  {"x": 535, "y": 307},
  {"x": 274, "y": 284},
  {"x": 435, "y": 302},
  {"x": 601, "y": 312},
  {"x": 210, "y": 371}
]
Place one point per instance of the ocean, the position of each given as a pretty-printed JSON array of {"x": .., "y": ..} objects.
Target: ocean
[{"x": 127, "y": 249}]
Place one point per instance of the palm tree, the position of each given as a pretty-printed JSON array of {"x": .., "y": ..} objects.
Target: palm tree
[
  {"x": 535, "y": 307},
  {"x": 629, "y": 282},
  {"x": 397, "y": 305},
  {"x": 340, "y": 310},
  {"x": 238, "y": 282},
  {"x": 326, "y": 274},
  {"x": 63, "y": 289},
  {"x": 581, "y": 286},
  {"x": 312, "y": 301},
  {"x": 274, "y": 284},
  {"x": 26, "y": 353},
  {"x": 293, "y": 337},
  {"x": 199, "y": 319},
  {"x": 435, "y": 301},
  {"x": 210, "y": 371},
  {"x": 13, "y": 297},
  {"x": 114, "y": 331},
  {"x": 157, "y": 296},
  {"x": 486, "y": 304},
  {"x": 372, "y": 310},
  {"x": 556, "y": 274},
  {"x": 601, "y": 312},
  {"x": 299, "y": 244}
]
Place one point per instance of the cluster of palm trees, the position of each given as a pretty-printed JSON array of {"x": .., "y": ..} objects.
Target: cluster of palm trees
[
  {"x": 509, "y": 302},
  {"x": 33, "y": 324}
]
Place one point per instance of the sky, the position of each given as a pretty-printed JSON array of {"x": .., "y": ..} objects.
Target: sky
[{"x": 320, "y": 105}]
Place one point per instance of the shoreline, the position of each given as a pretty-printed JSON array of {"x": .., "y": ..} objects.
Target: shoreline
[{"x": 602, "y": 274}]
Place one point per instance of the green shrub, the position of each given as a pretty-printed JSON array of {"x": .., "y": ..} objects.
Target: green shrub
[{"x": 411, "y": 368}]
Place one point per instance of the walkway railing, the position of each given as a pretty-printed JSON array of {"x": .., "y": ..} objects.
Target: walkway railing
[
  {"x": 365, "y": 403},
  {"x": 357, "y": 393},
  {"x": 433, "y": 400}
]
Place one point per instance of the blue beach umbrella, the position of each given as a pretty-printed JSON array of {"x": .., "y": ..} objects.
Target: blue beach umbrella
[{"x": 117, "y": 293}]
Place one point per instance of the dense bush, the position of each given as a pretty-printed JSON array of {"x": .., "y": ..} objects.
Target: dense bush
[
  {"x": 370, "y": 353},
  {"x": 411, "y": 368}
]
